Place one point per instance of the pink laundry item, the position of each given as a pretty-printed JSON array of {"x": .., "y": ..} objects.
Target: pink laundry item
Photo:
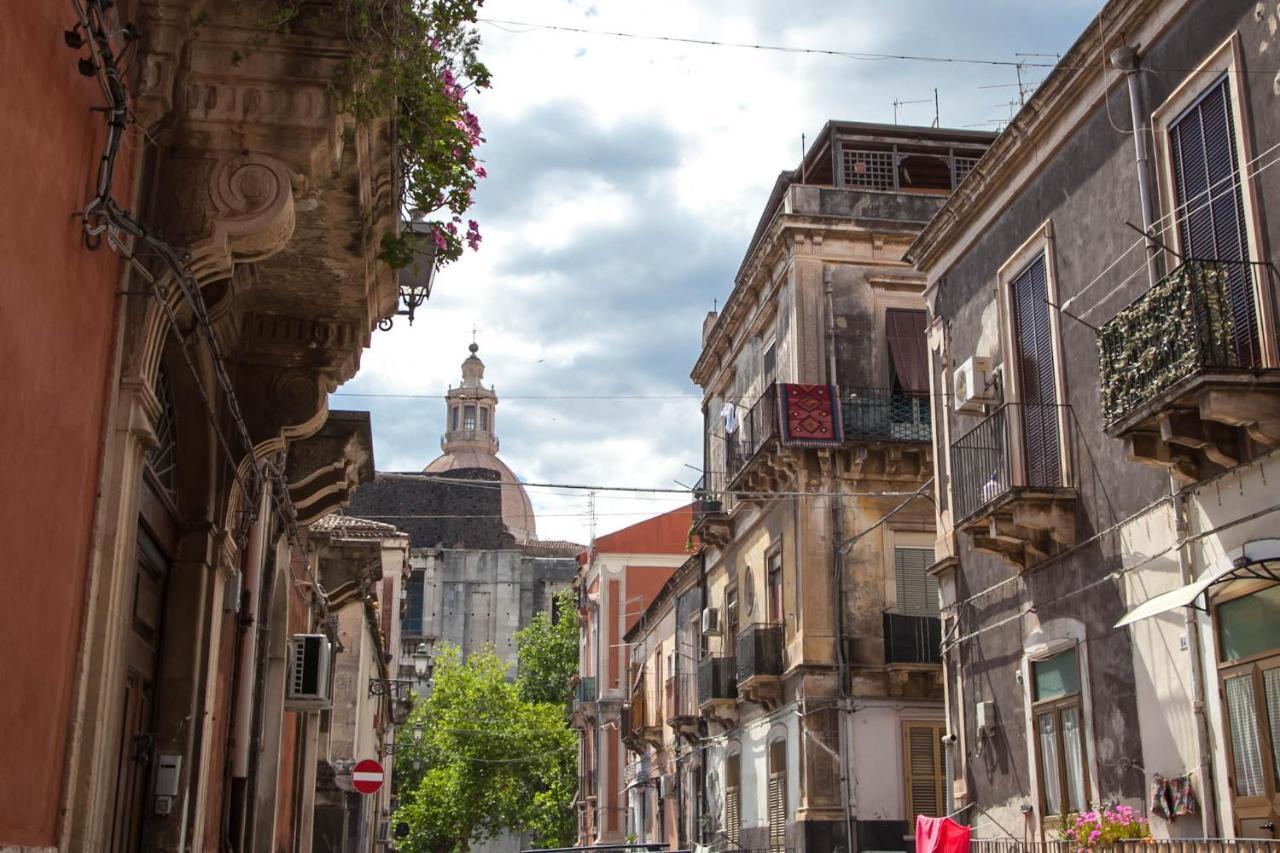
[{"x": 940, "y": 835}]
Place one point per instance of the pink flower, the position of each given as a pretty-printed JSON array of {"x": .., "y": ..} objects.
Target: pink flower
[
  {"x": 1095, "y": 835},
  {"x": 481, "y": 173},
  {"x": 441, "y": 243}
]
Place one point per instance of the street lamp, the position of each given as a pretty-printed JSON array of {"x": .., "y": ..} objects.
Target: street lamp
[
  {"x": 417, "y": 732},
  {"x": 416, "y": 279},
  {"x": 421, "y": 660}
]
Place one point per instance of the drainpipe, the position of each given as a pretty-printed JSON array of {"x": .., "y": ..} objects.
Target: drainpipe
[
  {"x": 837, "y": 566},
  {"x": 1126, "y": 60},
  {"x": 251, "y": 562},
  {"x": 1208, "y": 799}
]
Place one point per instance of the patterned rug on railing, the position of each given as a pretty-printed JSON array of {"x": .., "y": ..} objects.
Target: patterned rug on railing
[{"x": 809, "y": 416}]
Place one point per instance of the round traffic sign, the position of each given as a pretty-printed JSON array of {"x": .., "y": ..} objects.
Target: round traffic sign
[{"x": 366, "y": 776}]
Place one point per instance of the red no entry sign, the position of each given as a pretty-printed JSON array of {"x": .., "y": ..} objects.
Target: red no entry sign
[{"x": 366, "y": 776}]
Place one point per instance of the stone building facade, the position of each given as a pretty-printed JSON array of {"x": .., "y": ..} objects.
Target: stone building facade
[
  {"x": 168, "y": 415},
  {"x": 1105, "y": 404},
  {"x": 818, "y": 675}
]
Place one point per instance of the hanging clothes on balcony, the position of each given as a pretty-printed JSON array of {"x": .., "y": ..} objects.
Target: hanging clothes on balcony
[
  {"x": 809, "y": 416},
  {"x": 941, "y": 835},
  {"x": 729, "y": 412}
]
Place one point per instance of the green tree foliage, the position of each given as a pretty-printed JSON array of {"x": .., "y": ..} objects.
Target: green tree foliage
[
  {"x": 489, "y": 760},
  {"x": 549, "y": 653}
]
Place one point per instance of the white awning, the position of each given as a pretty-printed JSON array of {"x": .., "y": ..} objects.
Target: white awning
[{"x": 1243, "y": 563}]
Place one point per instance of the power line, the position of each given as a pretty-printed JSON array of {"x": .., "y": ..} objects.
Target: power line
[{"x": 846, "y": 54}]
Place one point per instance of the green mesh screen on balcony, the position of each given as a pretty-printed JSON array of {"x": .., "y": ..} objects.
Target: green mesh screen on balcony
[{"x": 1180, "y": 326}]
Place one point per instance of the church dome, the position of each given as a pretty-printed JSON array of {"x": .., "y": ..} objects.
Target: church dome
[{"x": 469, "y": 441}]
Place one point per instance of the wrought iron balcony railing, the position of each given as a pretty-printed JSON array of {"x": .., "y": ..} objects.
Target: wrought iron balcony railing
[
  {"x": 760, "y": 651},
  {"x": 717, "y": 679},
  {"x": 757, "y": 427},
  {"x": 1138, "y": 845},
  {"x": 706, "y": 503},
  {"x": 912, "y": 639},
  {"x": 1199, "y": 317},
  {"x": 882, "y": 415},
  {"x": 982, "y": 467}
]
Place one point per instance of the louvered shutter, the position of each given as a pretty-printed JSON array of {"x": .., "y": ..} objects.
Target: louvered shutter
[
  {"x": 778, "y": 811},
  {"x": 1210, "y": 206},
  {"x": 917, "y": 591},
  {"x": 732, "y": 815},
  {"x": 1034, "y": 341},
  {"x": 922, "y": 762}
]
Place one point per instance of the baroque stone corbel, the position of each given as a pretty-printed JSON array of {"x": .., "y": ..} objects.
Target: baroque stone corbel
[{"x": 252, "y": 217}]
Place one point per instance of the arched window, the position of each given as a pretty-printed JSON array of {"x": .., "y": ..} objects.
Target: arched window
[
  {"x": 163, "y": 458},
  {"x": 469, "y": 418}
]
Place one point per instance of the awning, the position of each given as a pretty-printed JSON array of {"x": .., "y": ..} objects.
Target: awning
[{"x": 1257, "y": 560}]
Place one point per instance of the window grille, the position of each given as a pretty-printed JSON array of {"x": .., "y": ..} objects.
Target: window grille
[
  {"x": 163, "y": 458},
  {"x": 963, "y": 166},
  {"x": 872, "y": 170}
]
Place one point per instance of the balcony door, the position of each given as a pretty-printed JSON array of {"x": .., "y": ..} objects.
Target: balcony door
[
  {"x": 1038, "y": 394},
  {"x": 1209, "y": 202}
]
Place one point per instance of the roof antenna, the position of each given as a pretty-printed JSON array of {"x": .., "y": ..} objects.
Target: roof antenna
[
  {"x": 897, "y": 104},
  {"x": 936, "y": 119},
  {"x": 802, "y": 163}
]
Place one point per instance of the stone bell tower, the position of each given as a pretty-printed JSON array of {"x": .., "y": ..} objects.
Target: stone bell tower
[{"x": 470, "y": 410}]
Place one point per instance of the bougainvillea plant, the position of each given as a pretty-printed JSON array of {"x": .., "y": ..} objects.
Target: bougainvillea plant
[
  {"x": 417, "y": 60},
  {"x": 1104, "y": 827}
]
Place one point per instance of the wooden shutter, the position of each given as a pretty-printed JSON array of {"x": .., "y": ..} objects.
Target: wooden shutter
[
  {"x": 922, "y": 767},
  {"x": 1210, "y": 206},
  {"x": 905, "y": 331},
  {"x": 917, "y": 591},
  {"x": 732, "y": 816},
  {"x": 778, "y": 811},
  {"x": 1034, "y": 341}
]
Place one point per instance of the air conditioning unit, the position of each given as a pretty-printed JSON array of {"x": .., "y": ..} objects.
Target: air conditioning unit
[
  {"x": 666, "y": 786},
  {"x": 309, "y": 686},
  {"x": 970, "y": 384},
  {"x": 711, "y": 620}
]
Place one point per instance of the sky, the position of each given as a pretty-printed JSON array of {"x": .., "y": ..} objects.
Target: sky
[{"x": 625, "y": 178}]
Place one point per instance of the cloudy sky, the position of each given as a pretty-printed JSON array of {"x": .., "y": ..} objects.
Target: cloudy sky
[{"x": 626, "y": 176}]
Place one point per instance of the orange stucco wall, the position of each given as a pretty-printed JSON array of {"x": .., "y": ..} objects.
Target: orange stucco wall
[
  {"x": 57, "y": 313},
  {"x": 643, "y": 585},
  {"x": 662, "y": 534}
]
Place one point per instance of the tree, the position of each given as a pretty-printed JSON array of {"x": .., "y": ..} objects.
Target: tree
[
  {"x": 548, "y": 650},
  {"x": 489, "y": 760}
]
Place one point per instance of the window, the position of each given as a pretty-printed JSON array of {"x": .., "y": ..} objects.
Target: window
[
  {"x": 873, "y": 170},
  {"x": 769, "y": 362},
  {"x": 411, "y": 623},
  {"x": 730, "y": 616},
  {"x": 778, "y": 796},
  {"x": 732, "y": 799},
  {"x": 1058, "y": 719},
  {"x": 163, "y": 458},
  {"x": 774, "y": 564},
  {"x": 1033, "y": 345},
  {"x": 469, "y": 418},
  {"x": 924, "y": 771},
  {"x": 1209, "y": 205},
  {"x": 1249, "y": 648},
  {"x": 917, "y": 590},
  {"x": 453, "y": 418},
  {"x": 484, "y": 418},
  {"x": 908, "y": 354}
]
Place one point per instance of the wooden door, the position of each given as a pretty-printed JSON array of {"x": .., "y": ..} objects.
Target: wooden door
[
  {"x": 1251, "y": 697},
  {"x": 135, "y": 748}
]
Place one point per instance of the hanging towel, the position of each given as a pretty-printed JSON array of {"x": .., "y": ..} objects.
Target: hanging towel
[
  {"x": 1160, "y": 801},
  {"x": 1182, "y": 797},
  {"x": 940, "y": 835},
  {"x": 730, "y": 414}
]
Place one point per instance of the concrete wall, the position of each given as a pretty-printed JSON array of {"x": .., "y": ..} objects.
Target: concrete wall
[{"x": 58, "y": 309}]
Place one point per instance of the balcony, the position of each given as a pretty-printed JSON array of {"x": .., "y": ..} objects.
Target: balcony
[
  {"x": 1011, "y": 495},
  {"x": 1137, "y": 845},
  {"x": 748, "y": 459},
  {"x": 760, "y": 663},
  {"x": 912, "y": 639},
  {"x": 641, "y": 724},
  {"x": 1181, "y": 371},
  {"x": 585, "y": 691},
  {"x": 710, "y": 521},
  {"x": 682, "y": 705},
  {"x": 718, "y": 689},
  {"x": 879, "y": 414}
]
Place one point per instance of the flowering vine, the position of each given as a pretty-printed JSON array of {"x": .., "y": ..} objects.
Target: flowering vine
[
  {"x": 1104, "y": 826},
  {"x": 417, "y": 61}
]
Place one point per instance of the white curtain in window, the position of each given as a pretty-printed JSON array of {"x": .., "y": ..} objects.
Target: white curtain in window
[
  {"x": 1242, "y": 713},
  {"x": 1046, "y": 731},
  {"x": 1271, "y": 689},
  {"x": 1073, "y": 760}
]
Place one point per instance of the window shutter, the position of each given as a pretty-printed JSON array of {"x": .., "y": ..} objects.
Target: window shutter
[
  {"x": 1210, "y": 205},
  {"x": 917, "y": 591},
  {"x": 731, "y": 815},
  {"x": 922, "y": 764},
  {"x": 905, "y": 331},
  {"x": 1034, "y": 341},
  {"x": 778, "y": 811}
]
